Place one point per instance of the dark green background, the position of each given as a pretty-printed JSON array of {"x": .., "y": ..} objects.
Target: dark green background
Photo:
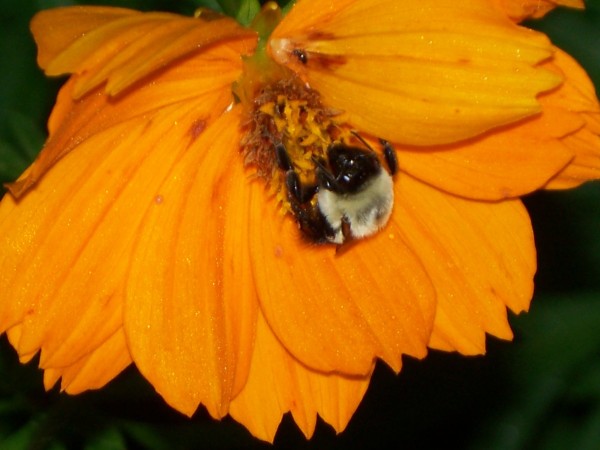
[{"x": 540, "y": 392}]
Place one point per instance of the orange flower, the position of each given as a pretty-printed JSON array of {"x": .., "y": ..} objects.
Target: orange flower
[
  {"x": 156, "y": 226},
  {"x": 519, "y": 10}
]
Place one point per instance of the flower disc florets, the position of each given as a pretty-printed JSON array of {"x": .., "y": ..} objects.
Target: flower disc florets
[{"x": 287, "y": 112}]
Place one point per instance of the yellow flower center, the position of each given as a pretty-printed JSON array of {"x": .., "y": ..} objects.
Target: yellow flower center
[{"x": 287, "y": 112}]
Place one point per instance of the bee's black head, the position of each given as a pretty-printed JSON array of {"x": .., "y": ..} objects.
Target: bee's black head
[{"x": 349, "y": 168}]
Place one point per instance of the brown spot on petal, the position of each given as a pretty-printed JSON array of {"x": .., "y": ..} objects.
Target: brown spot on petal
[
  {"x": 320, "y": 36},
  {"x": 326, "y": 62},
  {"x": 197, "y": 127},
  {"x": 278, "y": 251}
]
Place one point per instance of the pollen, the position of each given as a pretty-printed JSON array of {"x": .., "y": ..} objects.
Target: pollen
[{"x": 287, "y": 112}]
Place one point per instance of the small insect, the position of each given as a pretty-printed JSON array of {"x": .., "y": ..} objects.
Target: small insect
[
  {"x": 301, "y": 55},
  {"x": 354, "y": 194}
]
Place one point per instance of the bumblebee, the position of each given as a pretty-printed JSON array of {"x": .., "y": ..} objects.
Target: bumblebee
[{"x": 353, "y": 195}]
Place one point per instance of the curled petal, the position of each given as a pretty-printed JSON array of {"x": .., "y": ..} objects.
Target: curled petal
[
  {"x": 412, "y": 80},
  {"x": 337, "y": 311},
  {"x": 519, "y": 10},
  {"x": 577, "y": 93},
  {"x": 120, "y": 46},
  {"x": 586, "y": 164},
  {"x": 191, "y": 306},
  {"x": 480, "y": 256},
  {"x": 74, "y": 121},
  {"x": 306, "y": 393},
  {"x": 54, "y": 36},
  {"x": 577, "y": 97}
]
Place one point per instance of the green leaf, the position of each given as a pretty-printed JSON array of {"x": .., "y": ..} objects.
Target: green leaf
[
  {"x": 146, "y": 436},
  {"x": 248, "y": 9},
  {"x": 243, "y": 10},
  {"x": 230, "y": 7},
  {"x": 23, "y": 86},
  {"x": 21, "y": 438},
  {"x": 555, "y": 379},
  {"x": 56, "y": 446},
  {"x": 189, "y": 434},
  {"x": 566, "y": 225},
  {"x": 109, "y": 438},
  {"x": 588, "y": 384},
  {"x": 210, "y": 4},
  {"x": 20, "y": 140}
]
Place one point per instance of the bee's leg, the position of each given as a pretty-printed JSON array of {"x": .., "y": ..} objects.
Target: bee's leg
[
  {"x": 390, "y": 156},
  {"x": 283, "y": 159},
  {"x": 325, "y": 178},
  {"x": 298, "y": 192},
  {"x": 308, "y": 215},
  {"x": 311, "y": 221},
  {"x": 349, "y": 240}
]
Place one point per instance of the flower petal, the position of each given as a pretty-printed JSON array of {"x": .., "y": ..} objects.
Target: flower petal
[
  {"x": 404, "y": 77},
  {"x": 260, "y": 406},
  {"x": 506, "y": 163},
  {"x": 519, "y": 10},
  {"x": 576, "y": 96},
  {"x": 76, "y": 228},
  {"x": 94, "y": 370},
  {"x": 191, "y": 306},
  {"x": 120, "y": 46},
  {"x": 74, "y": 121},
  {"x": 586, "y": 164},
  {"x": 337, "y": 311},
  {"x": 480, "y": 257},
  {"x": 14, "y": 336},
  {"x": 46, "y": 275},
  {"x": 56, "y": 29},
  {"x": 522, "y": 157}
]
